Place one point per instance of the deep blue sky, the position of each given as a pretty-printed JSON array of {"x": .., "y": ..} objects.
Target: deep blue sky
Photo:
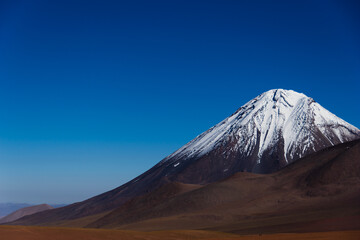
[{"x": 93, "y": 93}]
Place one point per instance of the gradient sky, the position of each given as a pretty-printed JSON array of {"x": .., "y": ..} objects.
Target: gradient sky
[{"x": 93, "y": 93}]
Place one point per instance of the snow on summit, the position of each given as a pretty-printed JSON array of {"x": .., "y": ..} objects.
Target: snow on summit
[{"x": 278, "y": 123}]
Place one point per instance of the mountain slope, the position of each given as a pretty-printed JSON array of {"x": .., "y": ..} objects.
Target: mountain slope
[
  {"x": 322, "y": 186},
  {"x": 24, "y": 212},
  {"x": 269, "y": 132}
]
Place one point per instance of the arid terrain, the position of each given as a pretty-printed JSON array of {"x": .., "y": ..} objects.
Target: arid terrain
[
  {"x": 55, "y": 233},
  {"x": 310, "y": 192},
  {"x": 316, "y": 197}
]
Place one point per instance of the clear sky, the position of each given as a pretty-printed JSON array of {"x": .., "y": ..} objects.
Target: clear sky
[{"x": 93, "y": 93}]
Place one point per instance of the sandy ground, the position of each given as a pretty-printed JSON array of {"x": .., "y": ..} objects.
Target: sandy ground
[{"x": 56, "y": 233}]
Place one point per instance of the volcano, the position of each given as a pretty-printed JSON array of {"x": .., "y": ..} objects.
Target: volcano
[{"x": 263, "y": 136}]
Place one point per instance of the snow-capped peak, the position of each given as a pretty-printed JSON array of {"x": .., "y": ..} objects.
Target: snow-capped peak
[{"x": 277, "y": 118}]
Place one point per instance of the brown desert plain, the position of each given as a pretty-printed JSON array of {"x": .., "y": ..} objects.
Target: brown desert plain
[{"x": 57, "y": 233}]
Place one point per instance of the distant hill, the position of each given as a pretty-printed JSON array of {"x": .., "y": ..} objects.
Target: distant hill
[
  {"x": 7, "y": 208},
  {"x": 24, "y": 212}
]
